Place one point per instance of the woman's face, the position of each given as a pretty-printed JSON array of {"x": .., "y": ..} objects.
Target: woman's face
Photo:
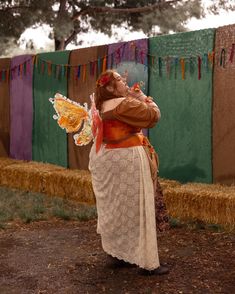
[{"x": 121, "y": 85}]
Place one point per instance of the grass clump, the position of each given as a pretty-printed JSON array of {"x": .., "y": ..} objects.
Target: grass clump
[
  {"x": 17, "y": 205},
  {"x": 195, "y": 225}
]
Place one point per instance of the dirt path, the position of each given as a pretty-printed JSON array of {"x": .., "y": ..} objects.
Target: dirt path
[{"x": 66, "y": 257}]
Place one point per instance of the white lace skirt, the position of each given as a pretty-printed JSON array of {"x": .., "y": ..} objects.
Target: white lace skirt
[{"x": 125, "y": 204}]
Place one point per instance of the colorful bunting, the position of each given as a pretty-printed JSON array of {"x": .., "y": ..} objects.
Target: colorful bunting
[{"x": 116, "y": 57}]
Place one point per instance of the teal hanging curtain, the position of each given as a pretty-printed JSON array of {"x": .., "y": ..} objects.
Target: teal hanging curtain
[
  {"x": 49, "y": 140},
  {"x": 181, "y": 82}
]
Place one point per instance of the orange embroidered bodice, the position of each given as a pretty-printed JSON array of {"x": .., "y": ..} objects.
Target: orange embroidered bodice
[{"x": 117, "y": 134}]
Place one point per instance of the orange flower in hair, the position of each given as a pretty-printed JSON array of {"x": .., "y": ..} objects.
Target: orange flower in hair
[{"x": 103, "y": 80}]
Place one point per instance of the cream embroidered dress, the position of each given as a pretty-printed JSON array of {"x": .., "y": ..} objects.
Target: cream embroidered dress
[{"x": 124, "y": 190}]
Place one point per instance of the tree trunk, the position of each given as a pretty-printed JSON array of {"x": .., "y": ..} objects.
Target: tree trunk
[{"x": 59, "y": 44}]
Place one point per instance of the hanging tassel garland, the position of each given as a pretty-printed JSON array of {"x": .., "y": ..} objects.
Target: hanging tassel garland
[
  {"x": 104, "y": 64},
  {"x": 66, "y": 70},
  {"x": 222, "y": 58},
  {"x": 191, "y": 66},
  {"x": 12, "y": 73},
  {"x": 25, "y": 68},
  {"x": 168, "y": 66},
  {"x": 160, "y": 66},
  {"x": 116, "y": 57},
  {"x": 62, "y": 70},
  {"x": 232, "y": 53},
  {"x": 152, "y": 60},
  {"x": 98, "y": 65},
  {"x": 205, "y": 61},
  {"x": 112, "y": 60},
  {"x": 58, "y": 73},
  {"x": 36, "y": 60},
  {"x": 123, "y": 50},
  {"x": 199, "y": 64},
  {"x": 176, "y": 62},
  {"x": 49, "y": 68},
  {"x": 7, "y": 75},
  {"x": 84, "y": 73},
  {"x": 182, "y": 63},
  {"x": 28, "y": 67},
  {"x": 78, "y": 71},
  {"x": 136, "y": 54},
  {"x": 90, "y": 68},
  {"x": 2, "y": 78}
]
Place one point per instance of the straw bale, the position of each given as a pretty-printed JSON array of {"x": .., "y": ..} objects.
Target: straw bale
[
  {"x": 72, "y": 184},
  {"x": 5, "y": 161},
  {"x": 209, "y": 203},
  {"x": 47, "y": 178},
  {"x": 26, "y": 175},
  {"x": 166, "y": 183}
]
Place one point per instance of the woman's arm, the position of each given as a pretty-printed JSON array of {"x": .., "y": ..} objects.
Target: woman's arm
[{"x": 137, "y": 113}]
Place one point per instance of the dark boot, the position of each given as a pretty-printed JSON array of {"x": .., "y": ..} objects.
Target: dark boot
[
  {"x": 114, "y": 262},
  {"x": 161, "y": 270}
]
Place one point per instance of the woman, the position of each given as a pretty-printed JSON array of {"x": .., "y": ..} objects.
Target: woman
[{"x": 123, "y": 166}]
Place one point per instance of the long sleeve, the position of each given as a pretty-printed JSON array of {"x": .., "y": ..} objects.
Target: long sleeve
[{"x": 137, "y": 113}]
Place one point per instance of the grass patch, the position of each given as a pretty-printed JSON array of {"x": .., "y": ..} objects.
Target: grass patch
[
  {"x": 195, "y": 225},
  {"x": 17, "y": 205}
]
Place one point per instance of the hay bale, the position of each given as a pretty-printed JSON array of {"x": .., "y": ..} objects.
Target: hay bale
[
  {"x": 205, "y": 202},
  {"x": 5, "y": 161},
  {"x": 72, "y": 184},
  {"x": 166, "y": 183},
  {"x": 193, "y": 201},
  {"x": 26, "y": 175},
  {"x": 47, "y": 178}
]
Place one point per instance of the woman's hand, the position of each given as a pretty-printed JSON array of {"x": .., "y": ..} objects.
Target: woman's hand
[{"x": 137, "y": 94}]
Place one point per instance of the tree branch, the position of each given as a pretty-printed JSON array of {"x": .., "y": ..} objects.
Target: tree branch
[
  {"x": 70, "y": 38},
  {"x": 62, "y": 7},
  {"x": 125, "y": 10},
  {"x": 6, "y": 9}
]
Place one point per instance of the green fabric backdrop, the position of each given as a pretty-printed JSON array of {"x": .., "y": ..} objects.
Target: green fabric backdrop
[
  {"x": 49, "y": 141},
  {"x": 182, "y": 138}
]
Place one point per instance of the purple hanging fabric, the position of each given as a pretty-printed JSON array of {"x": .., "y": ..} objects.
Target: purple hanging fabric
[
  {"x": 21, "y": 107},
  {"x": 136, "y": 50}
]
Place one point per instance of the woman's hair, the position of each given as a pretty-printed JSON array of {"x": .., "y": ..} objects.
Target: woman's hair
[{"x": 107, "y": 78}]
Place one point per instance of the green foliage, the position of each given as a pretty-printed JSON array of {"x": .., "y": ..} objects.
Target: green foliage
[{"x": 67, "y": 18}]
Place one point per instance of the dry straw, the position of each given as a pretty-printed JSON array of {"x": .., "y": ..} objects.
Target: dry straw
[
  {"x": 209, "y": 203},
  {"x": 47, "y": 178},
  {"x": 193, "y": 201}
]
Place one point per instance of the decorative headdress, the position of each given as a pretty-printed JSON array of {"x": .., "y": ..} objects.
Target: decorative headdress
[{"x": 104, "y": 80}]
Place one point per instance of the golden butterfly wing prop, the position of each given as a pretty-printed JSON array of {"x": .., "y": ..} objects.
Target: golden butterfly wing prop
[
  {"x": 85, "y": 136},
  {"x": 71, "y": 116}
]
